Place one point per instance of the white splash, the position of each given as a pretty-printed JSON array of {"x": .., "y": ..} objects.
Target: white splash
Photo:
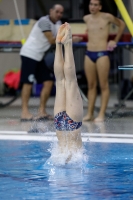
[{"x": 66, "y": 159}]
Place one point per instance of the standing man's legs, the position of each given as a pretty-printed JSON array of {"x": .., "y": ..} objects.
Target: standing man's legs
[
  {"x": 91, "y": 75},
  {"x": 30, "y": 70},
  {"x": 46, "y": 77},
  {"x": 103, "y": 67},
  {"x": 28, "y": 66},
  {"x": 45, "y": 93},
  {"x": 25, "y": 95}
]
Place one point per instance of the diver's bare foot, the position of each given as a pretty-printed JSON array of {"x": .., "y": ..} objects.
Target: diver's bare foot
[
  {"x": 60, "y": 34},
  {"x": 99, "y": 119},
  {"x": 88, "y": 118},
  {"x": 68, "y": 35}
]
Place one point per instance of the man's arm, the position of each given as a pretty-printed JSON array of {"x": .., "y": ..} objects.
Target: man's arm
[
  {"x": 113, "y": 43},
  {"x": 45, "y": 26},
  {"x": 50, "y": 37},
  {"x": 118, "y": 22}
]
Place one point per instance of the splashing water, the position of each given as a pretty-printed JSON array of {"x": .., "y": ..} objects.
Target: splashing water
[{"x": 77, "y": 160}]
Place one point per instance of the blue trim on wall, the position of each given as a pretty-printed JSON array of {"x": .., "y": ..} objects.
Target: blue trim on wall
[
  {"x": 4, "y": 22},
  {"x": 23, "y": 21}
]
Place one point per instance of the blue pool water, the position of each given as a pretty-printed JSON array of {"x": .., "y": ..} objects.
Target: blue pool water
[{"x": 108, "y": 173}]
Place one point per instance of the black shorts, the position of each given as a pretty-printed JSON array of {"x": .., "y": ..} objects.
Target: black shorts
[{"x": 34, "y": 70}]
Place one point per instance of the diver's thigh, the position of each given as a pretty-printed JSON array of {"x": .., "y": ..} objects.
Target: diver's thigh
[
  {"x": 60, "y": 98},
  {"x": 74, "y": 104}
]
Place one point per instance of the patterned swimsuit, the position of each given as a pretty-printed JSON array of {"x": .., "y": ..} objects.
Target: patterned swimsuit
[{"x": 64, "y": 123}]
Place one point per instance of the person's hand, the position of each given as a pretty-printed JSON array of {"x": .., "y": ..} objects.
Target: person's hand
[
  {"x": 111, "y": 45},
  {"x": 77, "y": 39}
]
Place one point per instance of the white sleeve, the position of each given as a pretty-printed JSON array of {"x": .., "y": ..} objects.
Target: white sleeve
[{"x": 44, "y": 24}]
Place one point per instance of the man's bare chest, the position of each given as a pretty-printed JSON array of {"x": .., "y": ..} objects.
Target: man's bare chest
[{"x": 99, "y": 25}]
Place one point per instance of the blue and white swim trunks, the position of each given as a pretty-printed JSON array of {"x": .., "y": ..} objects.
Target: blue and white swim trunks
[{"x": 64, "y": 123}]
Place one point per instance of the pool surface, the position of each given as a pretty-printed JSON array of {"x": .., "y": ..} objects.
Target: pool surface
[{"x": 108, "y": 174}]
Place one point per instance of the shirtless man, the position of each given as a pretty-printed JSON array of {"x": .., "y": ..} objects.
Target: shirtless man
[
  {"x": 68, "y": 108},
  {"x": 97, "y": 63}
]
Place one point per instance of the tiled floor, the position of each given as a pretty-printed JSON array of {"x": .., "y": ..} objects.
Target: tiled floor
[{"x": 120, "y": 127}]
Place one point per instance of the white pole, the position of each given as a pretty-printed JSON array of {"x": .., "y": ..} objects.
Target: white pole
[{"x": 19, "y": 20}]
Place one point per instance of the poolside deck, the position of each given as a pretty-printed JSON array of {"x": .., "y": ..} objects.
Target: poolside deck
[{"x": 117, "y": 129}]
